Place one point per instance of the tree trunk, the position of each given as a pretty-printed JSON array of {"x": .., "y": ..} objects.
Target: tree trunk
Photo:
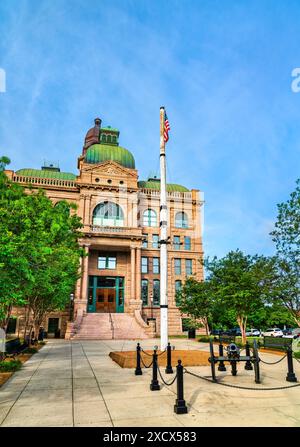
[{"x": 242, "y": 321}]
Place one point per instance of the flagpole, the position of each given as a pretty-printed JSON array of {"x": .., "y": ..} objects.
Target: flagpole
[{"x": 163, "y": 239}]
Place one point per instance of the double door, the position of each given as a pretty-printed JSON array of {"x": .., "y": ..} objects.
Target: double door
[{"x": 106, "y": 300}]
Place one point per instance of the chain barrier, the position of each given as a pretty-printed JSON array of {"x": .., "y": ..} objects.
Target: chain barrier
[
  {"x": 145, "y": 366},
  {"x": 150, "y": 355},
  {"x": 241, "y": 387},
  {"x": 163, "y": 380},
  {"x": 272, "y": 363}
]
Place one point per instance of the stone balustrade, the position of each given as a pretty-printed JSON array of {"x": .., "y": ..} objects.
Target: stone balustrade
[{"x": 40, "y": 181}]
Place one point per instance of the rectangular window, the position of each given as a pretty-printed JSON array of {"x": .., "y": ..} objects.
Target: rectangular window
[
  {"x": 144, "y": 264},
  {"x": 177, "y": 265},
  {"x": 187, "y": 243},
  {"x": 177, "y": 290},
  {"x": 188, "y": 267},
  {"x": 107, "y": 262},
  {"x": 145, "y": 241},
  {"x": 176, "y": 242},
  {"x": 156, "y": 265},
  {"x": 156, "y": 292},
  {"x": 155, "y": 241},
  {"x": 144, "y": 286}
]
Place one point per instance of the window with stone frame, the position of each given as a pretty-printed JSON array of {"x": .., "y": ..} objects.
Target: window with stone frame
[
  {"x": 144, "y": 264},
  {"x": 144, "y": 291},
  {"x": 177, "y": 266},
  {"x": 181, "y": 220},
  {"x": 156, "y": 292},
  {"x": 155, "y": 240},
  {"x": 187, "y": 243},
  {"x": 176, "y": 242},
  {"x": 155, "y": 265},
  {"x": 188, "y": 267},
  {"x": 149, "y": 218}
]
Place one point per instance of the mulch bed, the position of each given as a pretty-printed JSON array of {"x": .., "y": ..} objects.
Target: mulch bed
[{"x": 127, "y": 359}]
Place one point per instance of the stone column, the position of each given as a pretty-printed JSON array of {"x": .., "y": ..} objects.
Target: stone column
[
  {"x": 85, "y": 275},
  {"x": 132, "y": 273},
  {"x": 138, "y": 274}
]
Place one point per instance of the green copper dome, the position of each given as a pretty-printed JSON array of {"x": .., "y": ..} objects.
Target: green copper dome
[
  {"x": 44, "y": 173},
  {"x": 98, "y": 153},
  {"x": 171, "y": 187}
]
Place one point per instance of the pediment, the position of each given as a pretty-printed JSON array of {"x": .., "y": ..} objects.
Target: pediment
[{"x": 109, "y": 168}]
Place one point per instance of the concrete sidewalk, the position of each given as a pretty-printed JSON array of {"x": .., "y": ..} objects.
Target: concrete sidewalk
[{"x": 77, "y": 384}]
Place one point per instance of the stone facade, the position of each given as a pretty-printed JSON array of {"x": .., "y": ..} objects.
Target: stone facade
[{"x": 120, "y": 218}]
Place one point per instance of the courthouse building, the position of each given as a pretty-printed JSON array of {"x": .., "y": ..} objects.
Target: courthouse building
[{"x": 119, "y": 287}]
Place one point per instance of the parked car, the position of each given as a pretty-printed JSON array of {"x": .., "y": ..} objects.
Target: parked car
[
  {"x": 272, "y": 332},
  {"x": 217, "y": 332},
  {"x": 252, "y": 333},
  {"x": 235, "y": 332},
  {"x": 291, "y": 333}
]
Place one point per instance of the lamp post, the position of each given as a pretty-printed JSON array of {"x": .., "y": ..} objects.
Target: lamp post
[{"x": 71, "y": 306}]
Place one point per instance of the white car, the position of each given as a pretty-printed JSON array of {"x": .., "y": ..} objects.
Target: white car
[
  {"x": 252, "y": 333},
  {"x": 273, "y": 332}
]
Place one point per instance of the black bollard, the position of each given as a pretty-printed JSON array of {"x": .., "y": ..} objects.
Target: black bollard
[
  {"x": 233, "y": 367},
  {"x": 154, "y": 386},
  {"x": 180, "y": 406},
  {"x": 248, "y": 364},
  {"x": 138, "y": 369},
  {"x": 256, "y": 362},
  {"x": 290, "y": 377},
  {"x": 212, "y": 361},
  {"x": 169, "y": 369},
  {"x": 221, "y": 366}
]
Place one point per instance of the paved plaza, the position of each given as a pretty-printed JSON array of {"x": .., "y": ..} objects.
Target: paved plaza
[{"x": 75, "y": 384}]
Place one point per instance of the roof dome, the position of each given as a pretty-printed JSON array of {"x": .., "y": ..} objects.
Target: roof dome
[
  {"x": 45, "y": 173},
  {"x": 155, "y": 184},
  {"x": 98, "y": 153}
]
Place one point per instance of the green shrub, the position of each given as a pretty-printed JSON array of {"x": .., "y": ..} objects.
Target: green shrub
[
  {"x": 297, "y": 355},
  {"x": 30, "y": 351},
  {"x": 10, "y": 366},
  {"x": 204, "y": 338}
]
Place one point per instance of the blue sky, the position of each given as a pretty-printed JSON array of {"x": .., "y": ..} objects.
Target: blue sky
[{"x": 221, "y": 68}]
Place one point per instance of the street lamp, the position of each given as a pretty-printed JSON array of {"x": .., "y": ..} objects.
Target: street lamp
[{"x": 71, "y": 306}]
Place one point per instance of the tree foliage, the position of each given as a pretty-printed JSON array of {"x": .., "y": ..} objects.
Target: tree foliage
[
  {"x": 39, "y": 251},
  {"x": 286, "y": 236}
]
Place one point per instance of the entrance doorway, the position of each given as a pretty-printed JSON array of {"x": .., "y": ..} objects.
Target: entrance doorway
[
  {"x": 106, "y": 294},
  {"x": 106, "y": 300}
]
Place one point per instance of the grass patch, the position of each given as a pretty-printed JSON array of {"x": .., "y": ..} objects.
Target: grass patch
[{"x": 10, "y": 366}]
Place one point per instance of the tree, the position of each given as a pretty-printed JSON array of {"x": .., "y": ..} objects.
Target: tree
[
  {"x": 14, "y": 267},
  {"x": 240, "y": 283},
  {"x": 286, "y": 236},
  {"x": 195, "y": 300},
  {"x": 39, "y": 252}
]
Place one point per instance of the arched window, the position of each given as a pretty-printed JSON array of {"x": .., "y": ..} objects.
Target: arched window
[
  {"x": 108, "y": 214},
  {"x": 149, "y": 218},
  {"x": 181, "y": 220},
  {"x": 104, "y": 138},
  {"x": 109, "y": 138},
  {"x": 114, "y": 139}
]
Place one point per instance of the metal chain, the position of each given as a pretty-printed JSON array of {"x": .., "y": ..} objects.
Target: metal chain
[
  {"x": 167, "y": 384},
  {"x": 161, "y": 353},
  {"x": 145, "y": 366},
  {"x": 273, "y": 363},
  {"x": 150, "y": 355},
  {"x": 241, "y": 387}
]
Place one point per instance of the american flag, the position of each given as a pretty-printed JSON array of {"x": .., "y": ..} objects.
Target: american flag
[{"x": 166, "y": 128}]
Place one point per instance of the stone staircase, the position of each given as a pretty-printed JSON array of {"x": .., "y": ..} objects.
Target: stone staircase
[{"x": 105, "y": 326}]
